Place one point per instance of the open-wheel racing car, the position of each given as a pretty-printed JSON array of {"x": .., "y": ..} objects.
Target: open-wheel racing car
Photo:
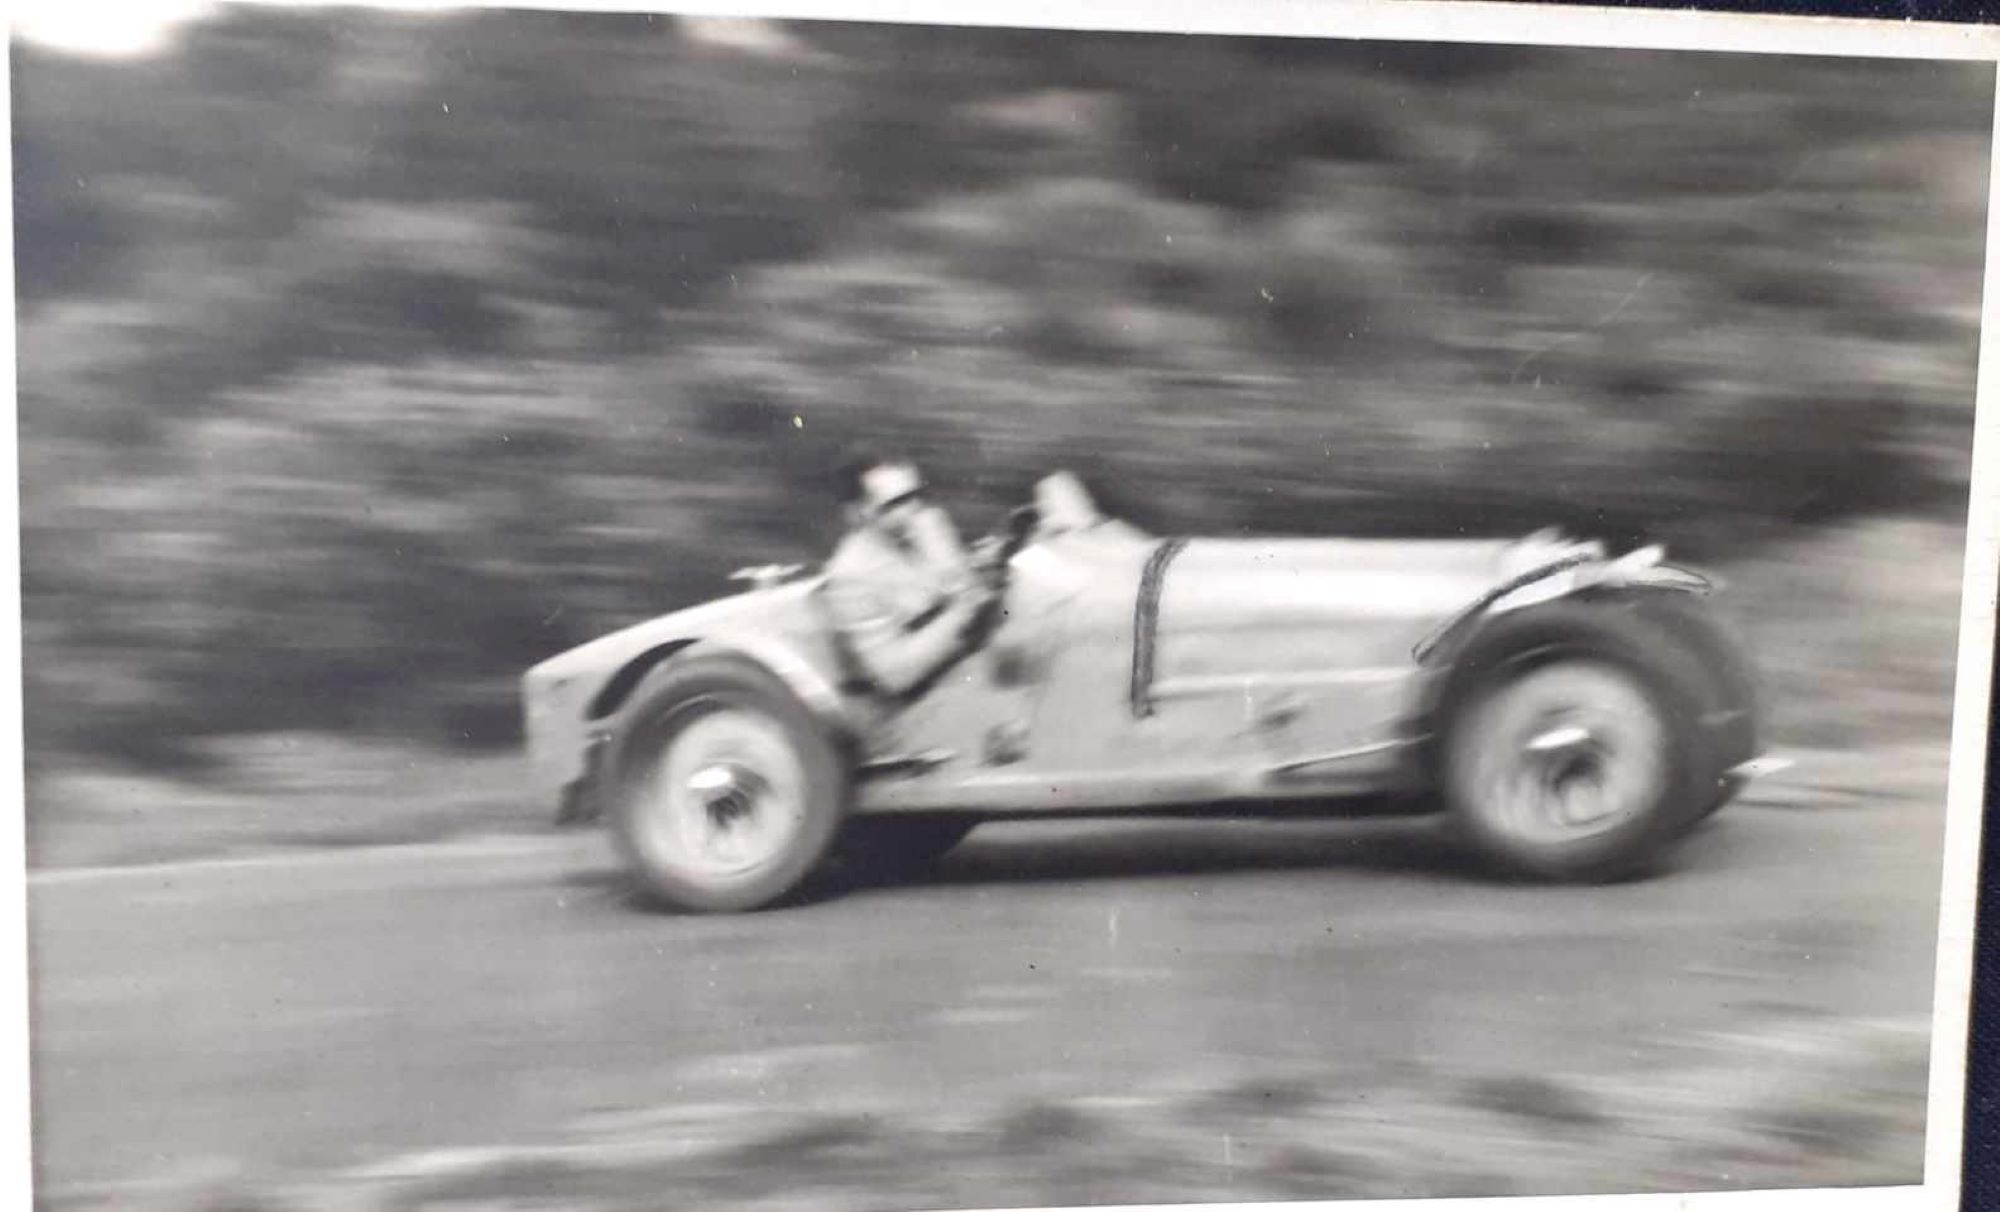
[{"x": 1573, "y": 714}]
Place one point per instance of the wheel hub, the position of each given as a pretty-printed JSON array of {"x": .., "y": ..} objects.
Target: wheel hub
[
  {"x": 728, "y": 791},
  {"x": 1563, "y": 739},
  {"x": 1562, "y": 753}
]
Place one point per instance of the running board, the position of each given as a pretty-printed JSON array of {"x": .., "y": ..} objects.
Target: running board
[
  {"x": 1308, "y": 769},
  {"x": 1761, "y": 767},
  {"x": 904, "y": 764}
]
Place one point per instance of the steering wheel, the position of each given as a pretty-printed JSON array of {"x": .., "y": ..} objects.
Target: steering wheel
[
  {"x": 991, "y": 555},
  {"x": 995, "y": 550},
  {"x": 1022, "y": 523}
]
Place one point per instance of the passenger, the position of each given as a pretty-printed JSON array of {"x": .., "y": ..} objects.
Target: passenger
[
  {"x": 1064, "y": 507},
  {"x": 904, "y": 598},
  {"x": 1063, "y": 504}
]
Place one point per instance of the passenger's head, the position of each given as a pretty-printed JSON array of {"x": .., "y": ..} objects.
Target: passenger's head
[{"x": 1063, "y": 504}]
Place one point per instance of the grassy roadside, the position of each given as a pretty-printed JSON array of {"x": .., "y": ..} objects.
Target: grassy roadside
[
  {"x": 289, "y": 790},
  {"x": 1781, "y": 1102}
]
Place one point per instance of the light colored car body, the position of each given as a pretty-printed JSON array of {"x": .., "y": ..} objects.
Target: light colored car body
[{"x": 1137, "y": 673}]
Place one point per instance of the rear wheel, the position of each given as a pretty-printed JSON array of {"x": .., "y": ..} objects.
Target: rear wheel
[
  {"x": 727, "y": 792},
  {"x": 1732, "y": 694},
  {"x": 1576, "y": 758}
]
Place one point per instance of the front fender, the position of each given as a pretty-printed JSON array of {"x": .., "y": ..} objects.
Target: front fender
[
  {"x": 577, "y": 794},
  {"x": 572, "y": 709},
  {"x": 813, "y": 677}
]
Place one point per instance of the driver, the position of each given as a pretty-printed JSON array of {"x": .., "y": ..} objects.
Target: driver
[{"x": 904, "y": 597}]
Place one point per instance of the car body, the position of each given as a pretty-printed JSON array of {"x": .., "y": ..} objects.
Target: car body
[{"x": 1132, "y": 673}]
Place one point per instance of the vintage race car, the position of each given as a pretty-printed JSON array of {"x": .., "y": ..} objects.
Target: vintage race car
[{"x": 1572, "y": 713}]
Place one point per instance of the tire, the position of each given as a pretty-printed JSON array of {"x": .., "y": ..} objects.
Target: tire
[
  {"x": 726, "y": 791},
  {"x": 892, "y": 847},
  {"x": 1570, "y": 748},
  {"x": 1731, "y": 685}
]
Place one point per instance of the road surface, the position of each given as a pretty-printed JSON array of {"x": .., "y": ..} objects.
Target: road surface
[{"x": 298, "y": 1013}]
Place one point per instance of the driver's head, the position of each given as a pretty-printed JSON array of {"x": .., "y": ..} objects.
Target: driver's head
[{"x": 878, "y": 488}]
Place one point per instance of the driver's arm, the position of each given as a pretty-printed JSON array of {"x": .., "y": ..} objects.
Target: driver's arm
[
  {"x": 898, "y": 637},
  {"x": 942, "y": 553}
]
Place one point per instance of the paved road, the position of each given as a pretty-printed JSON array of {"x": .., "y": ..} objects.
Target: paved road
[{"x": 300, "y": 1012}]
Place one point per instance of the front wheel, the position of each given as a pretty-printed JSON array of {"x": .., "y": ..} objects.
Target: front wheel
[
  {"x": 727, "y": 791},
  {"x": 1575, "y": 766}
]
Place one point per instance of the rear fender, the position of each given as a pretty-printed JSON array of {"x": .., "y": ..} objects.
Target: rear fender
[
  {"x": 1582, "y": 573},
  {"x": 1581, "y": 570},
  {"x": 1711, "y": 676}
]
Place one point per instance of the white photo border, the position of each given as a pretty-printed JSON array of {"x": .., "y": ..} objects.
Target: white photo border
[{"x": 1512, "y": 24}]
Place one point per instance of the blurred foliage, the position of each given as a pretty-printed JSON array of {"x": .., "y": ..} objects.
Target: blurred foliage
[{"x": 366, "y": 358}]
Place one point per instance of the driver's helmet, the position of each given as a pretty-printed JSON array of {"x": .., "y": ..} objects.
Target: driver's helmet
[{"x": 888, "y": 484}]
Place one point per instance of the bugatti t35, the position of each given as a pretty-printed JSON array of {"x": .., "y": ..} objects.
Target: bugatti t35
[{"x": 1571, "y": 713}]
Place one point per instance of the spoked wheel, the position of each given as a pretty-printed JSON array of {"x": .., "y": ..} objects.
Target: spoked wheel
[
  {"x": 1576, "y": 768},
  {"x": 728, "y": 791},
  {"x": 725, "y": 797}
]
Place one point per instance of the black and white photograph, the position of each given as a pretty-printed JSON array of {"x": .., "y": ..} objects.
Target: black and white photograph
[{"x": 749, "y": 611}]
